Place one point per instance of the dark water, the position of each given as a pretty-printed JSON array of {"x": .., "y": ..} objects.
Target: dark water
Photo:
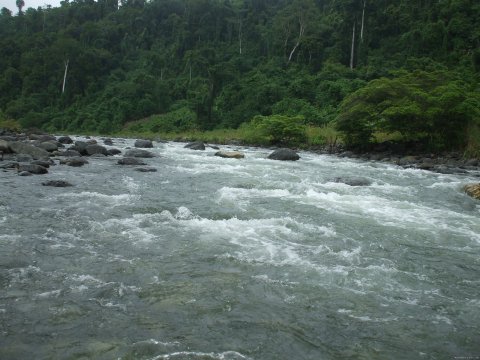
[{"x": 213, "y": 258}]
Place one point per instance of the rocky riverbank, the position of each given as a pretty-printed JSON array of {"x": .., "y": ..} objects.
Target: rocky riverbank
[{"x": 34, "y": 153}]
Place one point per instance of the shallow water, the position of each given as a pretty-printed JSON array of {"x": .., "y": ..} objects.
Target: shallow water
[{"x": 213, "y": 258}]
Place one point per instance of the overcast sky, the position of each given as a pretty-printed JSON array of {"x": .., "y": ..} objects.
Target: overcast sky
[{"x": 10, "y": 4}]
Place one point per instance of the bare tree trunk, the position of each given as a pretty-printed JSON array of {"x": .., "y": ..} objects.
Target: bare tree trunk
[
  {"x": 65, "y": 75},
  {"x": 300, "y": 35},
  {"x": 240, "y": 37},
  {"x": 353, "y": 46},
  {"x": 363, "y": 21}
]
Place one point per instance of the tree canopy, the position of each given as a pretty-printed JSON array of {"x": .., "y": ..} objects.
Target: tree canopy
[{"x": 96, "y": 65}]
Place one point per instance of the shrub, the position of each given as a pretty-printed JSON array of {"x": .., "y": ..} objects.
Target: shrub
[
  {"x": 279, "y": 129},
  {"x": 428, "y": 107}
]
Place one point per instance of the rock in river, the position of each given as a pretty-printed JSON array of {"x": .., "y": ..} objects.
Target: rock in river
[
  {"x": 284, "y": 155},
  {"x": 353, "y": 181},
  {"x": 230, "y": 154},
  {"x": 139, "y": 153},
  {"x": 75, "y": 161},
  {"x": 56, "y": 183},
  {"x": 196, "y": 145},
  {"x": 130, "y": 161},
  {"x": 140, "y": 143},
  {"x": 473, "y": 190},
  {"x": 32, "y": 168},
  {"x": 96, "y": 149},
  {"x": 23, "y": 148}
]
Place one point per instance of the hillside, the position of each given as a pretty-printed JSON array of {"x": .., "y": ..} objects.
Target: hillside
[{"x": 205, "y": 64}]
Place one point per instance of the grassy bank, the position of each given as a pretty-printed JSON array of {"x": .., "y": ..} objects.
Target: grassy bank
[{"x": 314, "y": 137}]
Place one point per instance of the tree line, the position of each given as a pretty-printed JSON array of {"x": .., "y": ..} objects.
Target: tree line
[{"x": 367, "y": 66}]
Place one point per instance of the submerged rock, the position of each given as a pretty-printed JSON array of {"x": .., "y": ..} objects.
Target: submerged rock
[
  {"x": 56, "y": 183},
  {"x": 108, "y": 142},
  {"x": 230, "y": 154},
  {"x": 196, "y": 145},
  {"x": 146, "y": 169},
  {"x": 473, "y": 190},
  {"x": 284, "y": 155},
  {"x": 353, "y": 181}
]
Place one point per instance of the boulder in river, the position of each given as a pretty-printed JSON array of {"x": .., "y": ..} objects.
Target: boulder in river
[
  {"x": 49, "y": 145},
  {"x": 108, "y": 142},
  {"x": 141, "y": 143},
  {"x": 24, "y": 158},
  {"x": 32, "y": 168},
  {"x": 473, "y": 190},
  {"x": 96, "y": 149},
  {"x": 75, "y": 161},
  {"x": 196, "y": 145},
  {"x": 113, "y": 151},
  {"x": 56, "y": 183},
  {"x": 139, "y": 153},
  {"x": 130, "y": 161},
  {"x": 44, "y": 163},
  {"x": 4, "y": 148},
  {"x": 81, "y": 147},
  {"x": 70, "y": 153},
  {"x": 24, "y": 173},
  {"x": 65, "y": 140},
  {"x": 230, "y": 154},
  {"x": 23, "y": 148},
  {"x": 284, "y": 155}
]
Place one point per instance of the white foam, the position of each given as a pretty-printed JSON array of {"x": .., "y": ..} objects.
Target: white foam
[
  {"x": 49, "y": 294},
  {"x": 227, "y": 355},
  {"x": 130, "y": 184},
  {"x": 115, "y": 200},
  {"x": 240, "y": 197}
]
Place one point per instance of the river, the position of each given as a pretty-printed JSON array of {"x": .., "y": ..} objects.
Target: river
[{"x": 213, "y": 258}]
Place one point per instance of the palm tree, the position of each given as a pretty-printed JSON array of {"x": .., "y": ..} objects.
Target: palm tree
[{"x": 20, "y": 5}]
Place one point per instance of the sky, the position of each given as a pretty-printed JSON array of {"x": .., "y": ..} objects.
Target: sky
[{"x": 10, "y": 4}]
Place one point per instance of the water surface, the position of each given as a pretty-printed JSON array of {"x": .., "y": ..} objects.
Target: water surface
[{"x": 213, "y": 258}]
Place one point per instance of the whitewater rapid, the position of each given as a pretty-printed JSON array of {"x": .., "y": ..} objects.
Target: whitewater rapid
[{"x": 214, "y": 258}]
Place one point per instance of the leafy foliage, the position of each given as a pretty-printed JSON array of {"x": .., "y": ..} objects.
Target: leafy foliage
[
  {"x": 225, "y": 62},
  {"x": 279, "y": 129},
  {"x": 434, "y": 108}
]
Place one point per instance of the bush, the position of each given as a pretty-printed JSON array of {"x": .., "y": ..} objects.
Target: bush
[
  {"x": 279, "y": 129},
  {"x": 428, "y": 107}
]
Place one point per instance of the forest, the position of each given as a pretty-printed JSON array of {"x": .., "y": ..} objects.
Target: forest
[{"x": 370, "y": 70}]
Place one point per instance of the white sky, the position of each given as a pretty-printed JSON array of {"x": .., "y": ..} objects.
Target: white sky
[{"x": 10, "y": 4}]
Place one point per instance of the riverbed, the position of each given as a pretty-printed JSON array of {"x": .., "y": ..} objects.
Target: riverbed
[{"x": 213, "y": 258}]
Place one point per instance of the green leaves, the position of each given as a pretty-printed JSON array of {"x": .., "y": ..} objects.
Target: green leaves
[
  {"x": 280, "y": 129},
  {"x": 433, "y": 108}
]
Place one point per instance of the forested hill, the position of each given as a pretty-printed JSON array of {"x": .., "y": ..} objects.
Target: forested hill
[{"x": 93, "y": 66}]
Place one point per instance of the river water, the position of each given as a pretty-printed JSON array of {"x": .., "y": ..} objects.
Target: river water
[{"x": 213, "y": 258}]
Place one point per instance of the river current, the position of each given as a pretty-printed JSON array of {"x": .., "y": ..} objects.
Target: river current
[{"x": 213, "y": 258}]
